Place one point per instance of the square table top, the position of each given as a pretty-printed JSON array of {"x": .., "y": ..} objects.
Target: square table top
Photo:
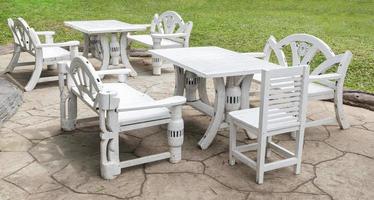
[
  {"x": 214, "y": 62},
  {"x": 104, "y": 26}
]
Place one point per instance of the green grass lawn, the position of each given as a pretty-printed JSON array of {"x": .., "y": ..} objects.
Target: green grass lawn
[{"x": 241, "y": 25}]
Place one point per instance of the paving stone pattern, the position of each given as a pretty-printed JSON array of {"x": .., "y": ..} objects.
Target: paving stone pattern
[{"x": 39, "y": 161}]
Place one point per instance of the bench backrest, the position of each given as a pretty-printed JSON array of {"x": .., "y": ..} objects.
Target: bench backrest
[
  {"x": 84, "y": 80},
  {"x": 23, "y": 35},
  {"x": 283, "y": 99}
]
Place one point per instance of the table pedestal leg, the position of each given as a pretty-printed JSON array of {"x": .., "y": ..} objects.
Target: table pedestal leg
[
  {"x": 191, "y": 82},
  {"x": 86, "y": 47},
  {"x": 114, "y": 50},
  {"x": 202, "y": 91},
  {"x": 179, "y": 81},
  {"x": 219, "y": 108},
  {"x": 124, "y": 54},
  {"x": 105, "y": 52}
]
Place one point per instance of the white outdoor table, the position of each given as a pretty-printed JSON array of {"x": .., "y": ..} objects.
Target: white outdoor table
[
  {"x": 96, "y": 40},
  {"x": 196, "y": 64}
]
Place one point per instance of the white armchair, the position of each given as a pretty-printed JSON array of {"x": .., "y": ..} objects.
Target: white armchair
[
  {"x": 26, "y": 39},
  {"x": 167, "y": 31},
  {"x": 324, "y": 84},
  {"x": 120, "y": 108}
]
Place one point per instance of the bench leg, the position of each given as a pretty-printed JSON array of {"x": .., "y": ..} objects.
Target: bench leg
[
  {"x": 232, "y": 144},
  {"x": 175, "y": 134},
  {"x": 109, "y": 146},
  {"x": 37, "y": 72},
  {"x": 13, "y": 62},
  {"x": 339, "y": 112}
]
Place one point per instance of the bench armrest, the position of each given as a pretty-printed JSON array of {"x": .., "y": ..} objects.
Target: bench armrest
[
  {"x": 331, "y": 76},
  {"x": 121, "y": 73},
  {"x": 255, "y": 54},
  {"x": 168, "y": 102},
  {"x": 171, "y": 35},
  {"x": 48, "y": 35},
  {"x": 62, "y": 44},
  {"x": 114, "y": 72},
  {"x": 45, "y": 33}
]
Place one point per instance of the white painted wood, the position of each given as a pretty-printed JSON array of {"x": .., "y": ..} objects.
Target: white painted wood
[
  {"x": 194, "y": 65},
  {"x": 168, "y": 30},
  {"x": 26, "y": 39},
  {"x": 111, "y": 51},
  {"x": 120, "y": 108},
  {"x": 267, "y": 122}
]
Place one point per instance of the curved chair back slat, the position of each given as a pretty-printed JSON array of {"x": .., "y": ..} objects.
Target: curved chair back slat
[
  {"x": 85, "y": 79},
  {"x": 168, "y": 22},
  {"x": 304, "y": 47},
  {"x": 24, "y": 36}
]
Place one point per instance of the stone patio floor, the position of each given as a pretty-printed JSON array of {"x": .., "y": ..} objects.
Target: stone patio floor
[{"x": 39, "y": 161}]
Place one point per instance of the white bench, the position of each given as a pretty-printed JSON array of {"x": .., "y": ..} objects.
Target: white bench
[
  {"x": 120, "y": 108},
  {"x": 167, "y": 31},
  {"x": 48, "y": 53}
]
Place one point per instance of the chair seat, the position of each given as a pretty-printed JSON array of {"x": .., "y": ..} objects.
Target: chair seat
[
  {"x": 247, "y": 116},
  {"x": 318, "y": 91},
  {"x": 129, "y": 96},
  {"x": 51, "y": 54},
  {"x": 147, "y": 40},
  {"x": 250, "y": 118}
]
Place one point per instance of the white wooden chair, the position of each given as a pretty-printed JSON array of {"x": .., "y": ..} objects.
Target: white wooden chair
[
  {"x": 326, "y": 83},
  {"x": 120, "y": 108},
  {"x": 282, "y": 109},
  {"x": 48, "y": 53},
  {"x": 167, "y": 31}
]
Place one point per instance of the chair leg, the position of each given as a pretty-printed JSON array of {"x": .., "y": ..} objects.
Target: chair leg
[
  {"x": 232, "y": 144},
  {"x": 339, "y": 112},
  {"x": 36, "y": 74},
  {"x": 261, "y": 151},
  {"x": 175, "y": 134},
  {"x": 268, "y": 149},
  {"x": 14, "y": 61},
  {"x": 156, "y": 64},
  {"x": 70, "y": 123},
  {"x": 109, "y": 155},
  {"x": 299, "y": 150}
]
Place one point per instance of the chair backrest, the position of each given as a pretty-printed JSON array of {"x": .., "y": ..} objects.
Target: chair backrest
[
  {"x": 283, "y": 99},
  {"x": 304, "y": 48},
  {"x": 170, "y": 22},
  {"x": 23, "y": 35},
  {"x": 85, "y": 80}
]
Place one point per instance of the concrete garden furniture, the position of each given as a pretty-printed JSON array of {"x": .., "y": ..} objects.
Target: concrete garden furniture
[
  {"x": 26, "y": 39},
  {"x": 196, "y": 64},
  {"x": 120, "y": 108},
  {"x": 167, "y": 31},
  {"x": 282, "y": 109},
  {"x": 327, "y": 79},
  {"x": 96, "y": 40}
]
